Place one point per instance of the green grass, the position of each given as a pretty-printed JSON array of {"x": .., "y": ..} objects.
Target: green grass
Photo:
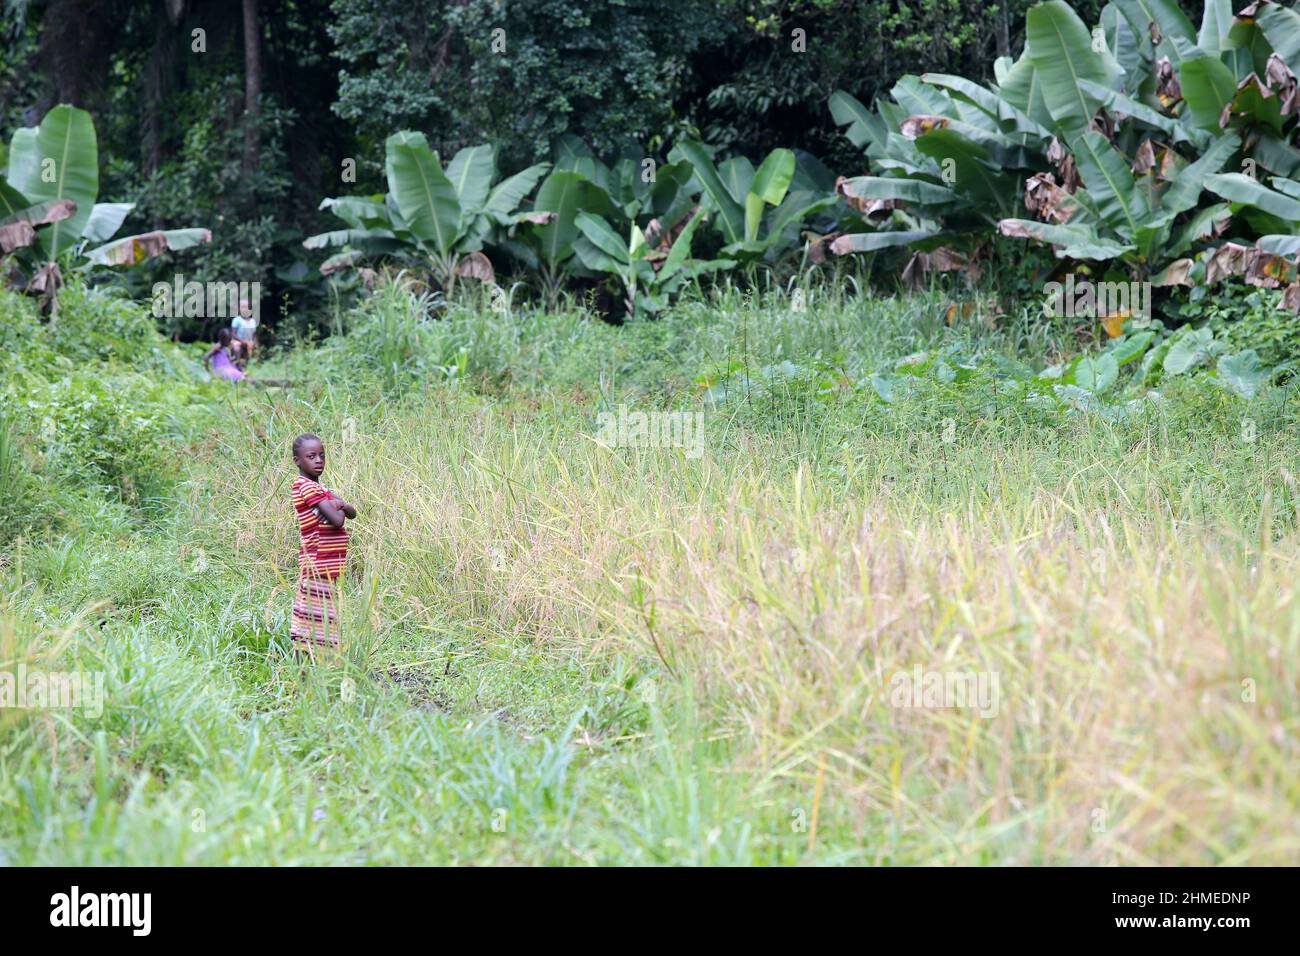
[{"x": 564, "y": 653}]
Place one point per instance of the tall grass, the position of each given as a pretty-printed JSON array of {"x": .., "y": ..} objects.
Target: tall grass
[{"x": 564, "y": 652}]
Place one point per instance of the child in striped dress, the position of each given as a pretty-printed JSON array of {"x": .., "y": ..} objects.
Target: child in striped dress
[{"x": 323, "y": 552}]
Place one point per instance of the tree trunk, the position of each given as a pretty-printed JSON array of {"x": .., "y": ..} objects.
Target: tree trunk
[
  {"x": 1004, "y": 29},
  {"x": 252, "y": 84}
]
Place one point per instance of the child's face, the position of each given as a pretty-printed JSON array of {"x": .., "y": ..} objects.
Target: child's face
[{"x": 311, "y": 458}]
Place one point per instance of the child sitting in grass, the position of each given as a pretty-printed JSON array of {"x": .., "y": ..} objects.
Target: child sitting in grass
[
  {"x": 220, "y": 359},
  {"x": 323, "y": 552}
]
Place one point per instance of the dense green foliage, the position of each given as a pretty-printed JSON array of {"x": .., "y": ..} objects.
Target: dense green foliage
[{"x": 174, "y": 119}]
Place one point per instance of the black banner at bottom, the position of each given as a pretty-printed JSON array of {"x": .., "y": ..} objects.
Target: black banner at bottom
[{"x": 339, "y": 906}]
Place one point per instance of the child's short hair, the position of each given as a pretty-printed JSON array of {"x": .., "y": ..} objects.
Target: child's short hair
[{"x": 302, "y": 440}]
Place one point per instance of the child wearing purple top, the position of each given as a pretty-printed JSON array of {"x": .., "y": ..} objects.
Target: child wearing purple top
[{"x": 218, "y": 358}]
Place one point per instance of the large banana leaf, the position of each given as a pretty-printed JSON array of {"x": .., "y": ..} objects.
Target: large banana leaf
[
  {"x": 768, "y": 188},
  {"x": 1178, "y": 34},
  {"x": 58, "y": 160},
  {"x": 681, "y": 249},
  {"x": 1132, "y": 50},
  {"x": 1110, "y": 184},
  {"x": 972, "y": 177},
  {"x": 606, "y": 240},
  {"x": 564, "y": 193},
  {"x": 360, "y": 212},
  {"x": 471, "y": 172},
  {"x": 1239, "y": 188},
  {"x": 506, "y": 195},
  {"x": 1072, "y": 240},
  {"x": 1022, "y": 87},
  {"x": 1282, "y": 28},
  {"x": 1288, "y": 246},
  {"x": 916, "y": 191},
  {"x": 1185, "y": 191},
  {"x": 1009, "y": 118},
  {"x": 1208, "y": 86},
  {"x": 132, "y": 250},
  {"x": 864, "y": 127},
  {"x": 1216, "y": 21},
  {"x": 730, "y": 215},
  {"x": 1117, "y": 102},
  {"x": 105, "y": 220},
  {"x": 425, "y": 196},
  {"x": 1061, "y": 49}
]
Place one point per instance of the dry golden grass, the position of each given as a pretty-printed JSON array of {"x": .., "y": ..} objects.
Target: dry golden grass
[{"x": 1146, "y": 664}]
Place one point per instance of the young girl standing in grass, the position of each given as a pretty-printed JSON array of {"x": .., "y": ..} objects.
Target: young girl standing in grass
[{"x": 323, "y": 552}]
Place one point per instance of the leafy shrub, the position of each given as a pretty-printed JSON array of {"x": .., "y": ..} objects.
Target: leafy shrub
[{"x": 1247, "y": 316}]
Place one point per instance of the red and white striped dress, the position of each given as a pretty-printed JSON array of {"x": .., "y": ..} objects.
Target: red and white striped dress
[{"x": 321, "y": 559}]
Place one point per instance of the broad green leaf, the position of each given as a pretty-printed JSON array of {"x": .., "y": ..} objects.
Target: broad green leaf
[
  {"x": 737, "y": 174},
  {"x": 1117, "y": 102},
  {"x": 970, "y": 175},
  {"x": 681, "y": 249},
  {"x": 1208, "y": 86},
  {"x": 906, "y": 190},
  {"x": 105, "y": 220},
  {"x": 1216, "y": 21},
  {"x": 1282, "y": 28},
  {"x": 1096, "y": 373},
  {"x": 1023, "y": 88},
  {"x": 1009, "y": 118},
  {"x": 12, "y": 202},
  {"x": 864, "y": 127},
  {"x": 424, "y": 195},
  {"x": 1128, "y": 348},
  {"x": 731, "y": 217},
  {"x": 1132, "y": 51},
  {"x": 768, "y": 187},
  {"x": 1276, "y": 155},
  {"x": 510, "y": 192},
  {"x": 58, "y": 160},
  {"x": 471, "y": 172},
  {"x": 600, "y": 235},
  {"x": 1061, "y": 48},
  {"x": 1288, "y": 246},
  {"x": 1110, "y": 184},
  {"x": 1188, "y": 349},
  {"x": 918, "y": 98},
  {"x": 773, "y": 177},
  {"x": 360, "y": 212},
  {"x": 564, "y": 193},
  {"x": 1242, "y": 373},
  {"x": 1238, "y": 188},
  {"x": 1169, "y": 17},
  {"x": 1185, "y": 191},
  {"x": 1073, "y": 240},
  {"x": 1199, "y": 228}
]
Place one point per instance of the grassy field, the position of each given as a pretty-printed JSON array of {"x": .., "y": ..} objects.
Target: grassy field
[{"x": 565, "y": 652}]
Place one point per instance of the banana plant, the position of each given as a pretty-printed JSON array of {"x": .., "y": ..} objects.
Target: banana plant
[
  {"x": 444, "y": 217},
  {"x": 544, "y": 241},
  {"x": 1123, "y": 141},
  {"x": 649, "y": 272},
  {"x": 757, "y": 213},
  {"x": 631, "y": 192},
  {"x": 49, "y": 217},
  {"x": 633, "y": 188}
]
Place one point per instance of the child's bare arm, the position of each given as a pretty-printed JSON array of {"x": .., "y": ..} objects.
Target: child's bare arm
[{"x": 331, "y": 511}]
